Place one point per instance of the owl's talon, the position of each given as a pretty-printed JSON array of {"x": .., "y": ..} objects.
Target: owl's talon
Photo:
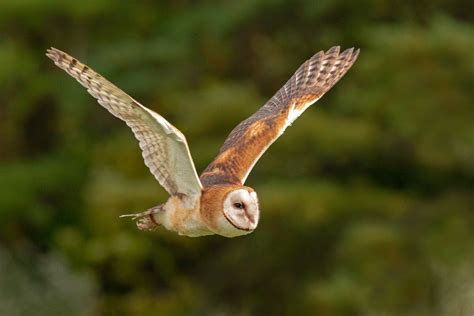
[
  {"x": 146, "y": 223},
  {"x": 145, "y": 220}
]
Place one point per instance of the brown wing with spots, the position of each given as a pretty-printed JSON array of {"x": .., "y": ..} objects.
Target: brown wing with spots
[
  {"x": 249, "y": 140},
  {"x": 164, "y": 147}
]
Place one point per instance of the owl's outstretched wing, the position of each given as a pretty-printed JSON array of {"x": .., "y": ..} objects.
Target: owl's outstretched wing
[
  {"x": 249, "y": 140},
  {"x": 164, "y": 147}
]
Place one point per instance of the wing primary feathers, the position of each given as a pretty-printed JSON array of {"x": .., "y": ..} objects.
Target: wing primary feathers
[
  {"x": 164, "y": 148},
  {"x": 160, "y": 141},
  {"x": 249, "y": 140}
]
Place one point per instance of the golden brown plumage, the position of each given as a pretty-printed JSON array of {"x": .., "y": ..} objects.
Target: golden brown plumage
[
  {"x": 217, "y": 202},
  {"x": 249, "y": 140}
]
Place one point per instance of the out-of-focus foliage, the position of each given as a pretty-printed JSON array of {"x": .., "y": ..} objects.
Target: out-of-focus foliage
[
  {"x": 367, "y": 200},
  {"x": 46, "y": 288}
]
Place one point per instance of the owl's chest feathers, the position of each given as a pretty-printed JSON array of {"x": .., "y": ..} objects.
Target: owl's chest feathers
[{"x": 184, "y": 217}]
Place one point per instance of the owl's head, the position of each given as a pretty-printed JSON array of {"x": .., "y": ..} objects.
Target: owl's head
[
  {"x": 241, "y": 209},
  {"x": 230, "y": 210}
]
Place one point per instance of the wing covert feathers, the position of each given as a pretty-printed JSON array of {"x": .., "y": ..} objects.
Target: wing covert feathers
[
  {"x": 164, "y": 148},
  {"x": 249, "y": 140}
]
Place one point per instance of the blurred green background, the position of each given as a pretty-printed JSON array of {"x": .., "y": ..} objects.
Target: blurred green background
[{"x": 367, "y": 200}]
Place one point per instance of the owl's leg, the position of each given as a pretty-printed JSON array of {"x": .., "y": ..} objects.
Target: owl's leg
[{"x": 145, "y": 220}]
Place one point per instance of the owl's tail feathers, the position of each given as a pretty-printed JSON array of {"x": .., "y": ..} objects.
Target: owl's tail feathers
[{"x": 146, "y": 220}]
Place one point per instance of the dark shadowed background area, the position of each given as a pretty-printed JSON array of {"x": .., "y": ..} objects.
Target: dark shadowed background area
[{"x": 367, "y": 200}]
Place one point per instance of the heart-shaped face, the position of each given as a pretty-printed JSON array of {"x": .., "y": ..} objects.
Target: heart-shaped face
[{"x": 241, "y": 209}]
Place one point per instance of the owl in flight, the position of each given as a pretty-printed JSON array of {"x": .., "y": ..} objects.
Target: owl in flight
[{"x": 217, "y": 202}]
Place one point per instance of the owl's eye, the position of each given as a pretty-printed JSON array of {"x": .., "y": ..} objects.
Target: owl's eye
[{"x": 239, "y": 205}]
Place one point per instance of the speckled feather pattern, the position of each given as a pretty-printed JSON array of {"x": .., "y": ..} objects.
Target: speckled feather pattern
[{"x": 249, "y": 140}]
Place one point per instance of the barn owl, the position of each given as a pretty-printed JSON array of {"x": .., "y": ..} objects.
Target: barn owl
[{"x": 217, "y": 202}]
